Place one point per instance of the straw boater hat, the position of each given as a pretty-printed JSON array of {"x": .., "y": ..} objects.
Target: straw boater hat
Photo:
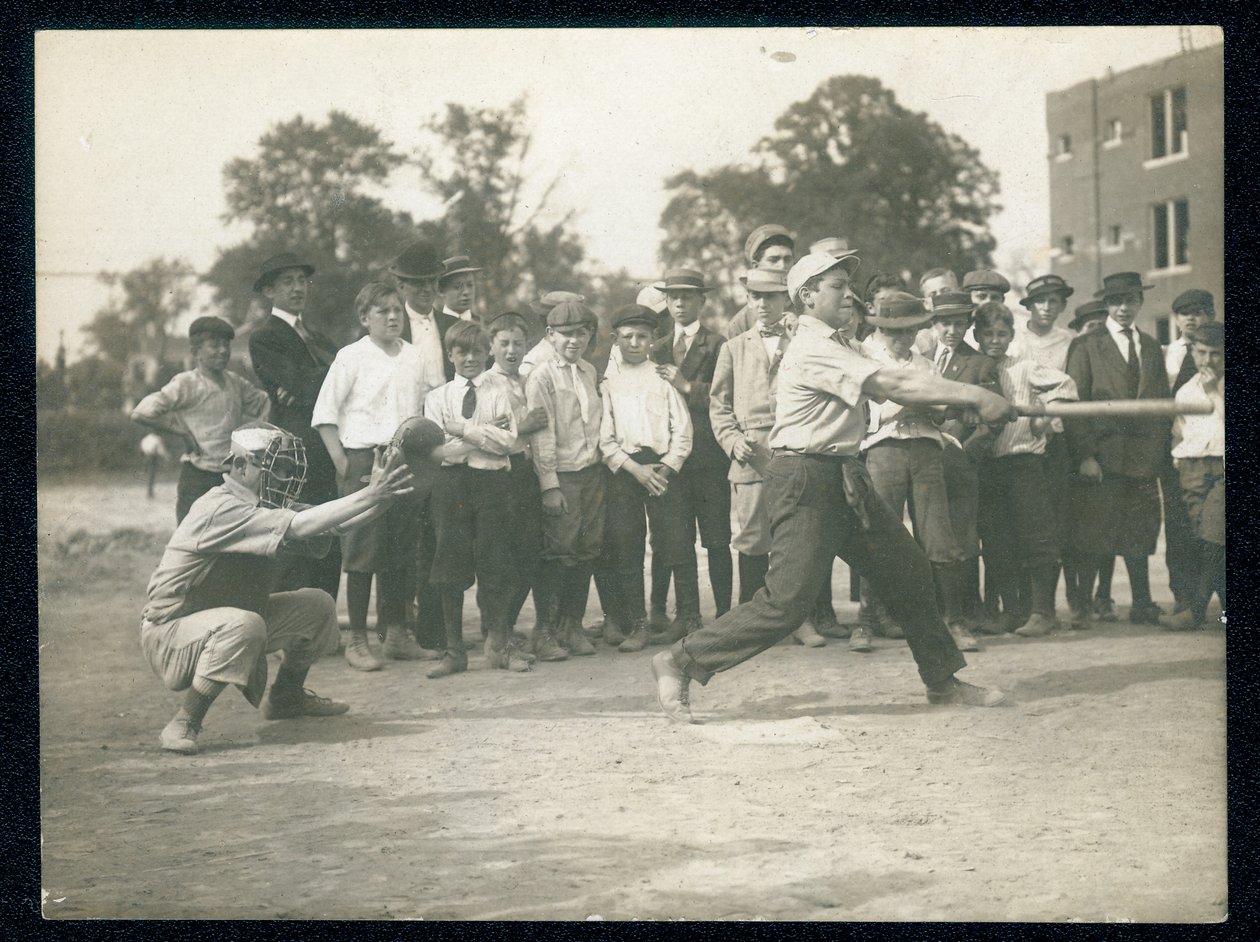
[
  {"x": 1122, "y": 282},
  {"x": 1045, "y": 285},
  {"x": 758, "y": 279},
  {"x": 457, "y": 265},
  {"x": 682, "y": 279},
  {"x": 1087, "y": 311},
  {"x": 950, "y": 304}
]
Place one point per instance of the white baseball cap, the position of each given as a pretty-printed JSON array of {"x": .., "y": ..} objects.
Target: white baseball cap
[
  {"x": 816, "y": 263},
  {"x": 653, "y": 298}
]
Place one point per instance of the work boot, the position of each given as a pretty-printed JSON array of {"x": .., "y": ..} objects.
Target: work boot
[
  {"x": 505, "y": 656},
  {"x": 1038, "y": 626},
  {"x": 1080, "y": 619},
  {"x": 180, "y": 735},
  {"x": 545, "y": 646},
  {"x": 575, "y": 639},
  {"x": 1183, "y": 620},
  {"x": 284, "y": 702},
  {"x": 825, "y": 624},
  {"x": 860, "y": 639},
  {"x": 400, "y": 645},
  {"x": 673, "y": 632},
  {"x": 658, "y": 621},
  {"x": 451, "y": 663},
  {"x": 1145, "y": 613},
  {"x": 1105, "y": 610},
  {"x": 612, "y": 633},
  {"x": 359, "y": 653},
  {"x": 957, "y": 691},
  {"x": 807, "y": 636},
  {"x": 455, "y": 657},
  {"x": 637, "y": 640},
  {"x": 672, "y": 687}
]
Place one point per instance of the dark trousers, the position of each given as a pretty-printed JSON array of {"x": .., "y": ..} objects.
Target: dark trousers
[
  {"x": 630, "y": 511},
  {"x": 429, "y": 619},
  {"x": 526, "y": 535},
  {"x": 319, "y": 487},
  {"x": 472, "y": 510},
  {"x": 1181, "y": 550},
  {"x": 811, "y": 523},
  {"x": 193, "y": 482}
]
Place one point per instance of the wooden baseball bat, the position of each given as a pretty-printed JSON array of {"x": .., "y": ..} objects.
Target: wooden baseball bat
[{"x": 1117, "y": 408}]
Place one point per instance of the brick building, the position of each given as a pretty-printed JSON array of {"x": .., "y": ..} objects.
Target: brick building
[{"x": 1137, "y": 180}]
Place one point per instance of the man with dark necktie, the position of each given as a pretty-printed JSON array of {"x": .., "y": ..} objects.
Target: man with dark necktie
[{"x": 291, "y": 360}]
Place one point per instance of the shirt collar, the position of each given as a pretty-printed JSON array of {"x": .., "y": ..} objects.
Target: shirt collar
[
  {"x": 1116, "y": 329},
  {"x": 415, "y": 315},
  {"x": 476, "y": 380},
  {"x": 290, "y": 319},
  {"x": 689, "y": 331},
  {"x": 454, "y": 314},
  {"x": 240, "y": 490}
]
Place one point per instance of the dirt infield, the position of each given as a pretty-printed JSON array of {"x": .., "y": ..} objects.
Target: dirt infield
[{"x": 821, "y": 786}]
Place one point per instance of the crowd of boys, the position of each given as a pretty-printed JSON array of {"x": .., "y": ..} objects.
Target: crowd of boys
[{"x": 550, "y": 473}]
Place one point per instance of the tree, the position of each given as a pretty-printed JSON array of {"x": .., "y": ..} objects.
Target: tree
[
  {"x": 309, "y": 190},
  {"x": 848, "y": 161},
  {"x": 476, "y": 163},
  {"x": 153, "y": 297}
]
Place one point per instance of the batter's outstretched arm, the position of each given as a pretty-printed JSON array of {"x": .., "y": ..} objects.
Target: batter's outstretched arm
[{"x": 911, "y": 387}]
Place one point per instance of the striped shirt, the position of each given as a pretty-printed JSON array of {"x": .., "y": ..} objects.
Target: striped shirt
[
  {"x": 891, "y": 421},
  {"x": 1024, "y": 382}
]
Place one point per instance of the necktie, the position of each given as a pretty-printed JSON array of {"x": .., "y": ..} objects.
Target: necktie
[
  {"x": 680, "y": 349},
  {"x": 470, "y": 401},
  {"x": 580, "y": 389},
  {"x": 771, "y": 330},
  {"x": 942, "y": 360},
  {"x": 1135, "y": 369},
  {"x": 317, "y": 351}
]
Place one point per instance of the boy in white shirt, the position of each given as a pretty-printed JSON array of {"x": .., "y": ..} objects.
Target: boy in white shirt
[{"x": 372, "y": 385}]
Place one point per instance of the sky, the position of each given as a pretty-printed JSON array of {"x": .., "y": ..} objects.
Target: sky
[{"x": 133, "y": 128}]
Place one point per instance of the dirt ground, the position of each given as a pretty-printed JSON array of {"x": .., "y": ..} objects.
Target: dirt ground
[{"x": 821, "y": 785}]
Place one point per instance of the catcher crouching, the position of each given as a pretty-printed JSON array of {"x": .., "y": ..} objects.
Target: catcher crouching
[{"x": 211, "y": 616}]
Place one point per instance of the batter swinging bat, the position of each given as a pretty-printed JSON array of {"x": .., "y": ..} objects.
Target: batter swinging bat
[{"x": 1115, "y": 408}]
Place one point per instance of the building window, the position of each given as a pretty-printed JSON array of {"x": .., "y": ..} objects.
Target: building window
[
  {"x": 1168, "y": 123},
  {"x": 1115, "y": 130},
  {"x": 1163, "y": 331},
  {"x": 1066, "y": 245},
  {"x": 1114, "y": 236},
  {"x": 1063, "y": 148},
  {"x": 1170, "y": 231}
]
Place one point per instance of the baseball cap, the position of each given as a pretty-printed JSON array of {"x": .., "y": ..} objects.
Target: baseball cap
[{"x": 815, "y": 264}]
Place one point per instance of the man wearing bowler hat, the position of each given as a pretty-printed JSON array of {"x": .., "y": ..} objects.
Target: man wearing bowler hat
[
  {"x": 458, "y": 287},
  {"x": 688, "y": 363},
  {"x": 770, "y": 247},
  {"x": 824, "y": 505},
  {"x": 417, "y": 271},
  {"x": 1120, "y": 459},
  {"x": 292, "y": 360}
]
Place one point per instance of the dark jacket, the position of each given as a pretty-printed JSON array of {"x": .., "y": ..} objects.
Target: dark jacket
[
  {"x": 968, "y": 365},
  {"x": 698, "y": 369},
  {"x": 1137, "y": 448},
  {"x": 444, "y": 321}
]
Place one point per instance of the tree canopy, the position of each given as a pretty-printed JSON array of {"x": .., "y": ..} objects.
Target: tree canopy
[{"x": 848, "y": 161}]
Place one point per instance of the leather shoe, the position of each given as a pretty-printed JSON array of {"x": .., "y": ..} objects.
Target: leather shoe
[
  {"x": 400, "y": 645},
  {"x": 637, "y": 640},
  {"x": 830, "y": 627},
  {"x": 963, "y": 638},
  {"x": 1080, "y": 619},
  {"x": 1183, "y": 620},
  {"x": 575, "y": 639},
  {"x": 545, "y": 646},
  {"x": 860, "y": 639},
  {"x": 960, "y": 692},
  {"x": 1147, "y": 614},
  {"x": 1105, "y": 610},
  {"x": 359, "y": 654},
  {"x": 674, "y": 632},
  {"x": 612, "y": 634},
  {"x": 1037, "y": 626},
  {"x": 672, "y": 687},
  {"x": 807, "y": 636},
  {"x": 450, "y": 664}
]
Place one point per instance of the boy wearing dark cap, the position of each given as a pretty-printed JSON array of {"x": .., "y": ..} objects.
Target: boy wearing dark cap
[
  {"x": 645, "y": 437},
  {"x": 544, "y": 349},
  {"x": 1040, "y": 338},
  {"x": 1190, "y": 309},
  {"x": 688, "y": 363},
  {"x": 1120, "y": 458},
  {"x": 571, "y": 477},
  {"x": 1199, "y": 455},
  {"x": 202, "y": 406}
]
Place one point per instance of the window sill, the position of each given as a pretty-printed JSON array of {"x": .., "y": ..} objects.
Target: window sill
[
  {"x": 1111, "y": 145},
  {"x": 1155, "y": 162},
  {"x": 1062, "y": 158},
  {"x": 1170, "y": 272}
]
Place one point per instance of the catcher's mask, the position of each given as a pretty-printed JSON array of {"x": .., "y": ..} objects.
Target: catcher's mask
[{"x": 280, "y": 456}]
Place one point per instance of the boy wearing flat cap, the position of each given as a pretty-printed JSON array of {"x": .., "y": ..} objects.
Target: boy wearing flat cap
[
  {"x": 1199, "y": 454},
  {"x": 825, "y": 505},
  {"x": 1190, "y": 308},
  {"x": 202, "y": 406},
  {"x": 741, "y": 410},
  {"x": 1121, "y": 458},
  {"x": 688, "y": 363},
  {"x": 544, "y": 349},
  {"x": 567, "y": 460},
  {"x": 645, "y": 437},
  {"x": 773, "y": 248}
]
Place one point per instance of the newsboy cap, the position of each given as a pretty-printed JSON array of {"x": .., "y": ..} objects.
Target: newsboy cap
[
  {"x": 1043, "y": 285},
  {"x": 831, "y": 245},
  {"x": 418, "y": 260},
  {"x": 634, "y": 314},
  {"x": 571, "y": 314},
  {"x": 278, "y": 263},
  {"x": 215, "y": 326},
  {"x": 1210, "y": 334},
  {"x": 985, "y": 278},
  {"x": 763, "y": 234},
  {"x": 542, "y": 307},
  {"x": 1196, "y": 299}
]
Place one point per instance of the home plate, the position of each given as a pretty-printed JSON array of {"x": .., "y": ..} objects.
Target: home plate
[{"x": 804, "y": 730}]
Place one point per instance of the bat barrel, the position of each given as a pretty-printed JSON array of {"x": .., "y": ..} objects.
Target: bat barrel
[{"x": 1118, "y": 408}]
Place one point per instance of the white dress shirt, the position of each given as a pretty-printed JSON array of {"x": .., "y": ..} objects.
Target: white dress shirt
[
  {"x": 368, "y": 393},
  {"x": 641, "y": 410},
  {"x": 1200, "y": 436},
  {"x": 1122, "y": 341},
  {"x": 1174, "y": 356},
  {"x": 483, "y": 445},
  {"x": 428, "y": 343}
]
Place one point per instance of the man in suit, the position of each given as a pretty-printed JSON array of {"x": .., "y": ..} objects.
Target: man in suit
[
  {"x": 957, "y": 360},
  {"x": 291, "y": 361},
  {"x": 417, "y": 271},
  {"x": 688, "y": 364},
  {"x": 1120, "y": 459}
]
